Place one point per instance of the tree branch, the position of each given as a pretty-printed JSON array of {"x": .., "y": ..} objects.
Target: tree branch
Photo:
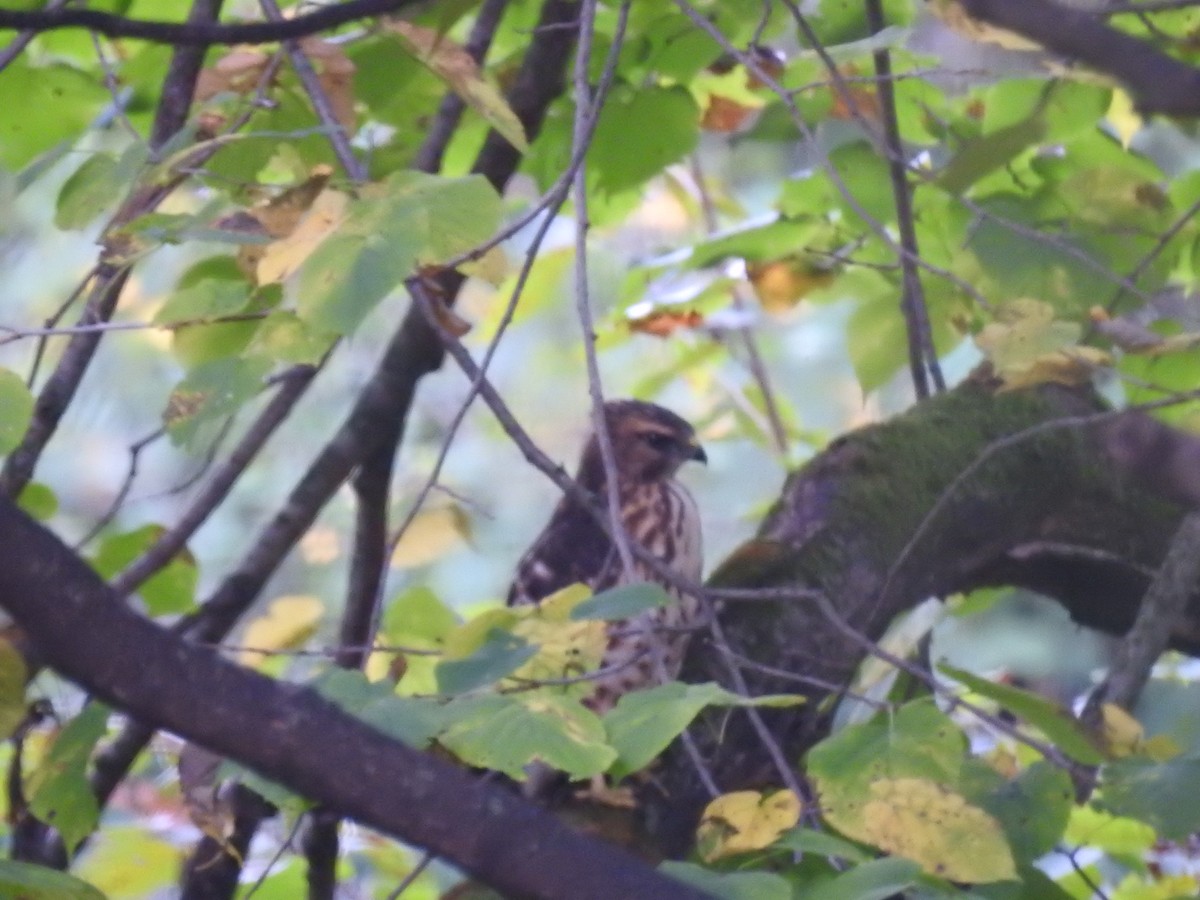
[
  {"x": 1159, "y": 83},
  {"x": 311, "y": 746},
  {"x": 197, "y": 34},
  {"x": 922, "y": 355}
]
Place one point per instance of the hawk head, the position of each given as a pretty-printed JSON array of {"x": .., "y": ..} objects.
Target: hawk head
[{"x": 649, "y": 443}]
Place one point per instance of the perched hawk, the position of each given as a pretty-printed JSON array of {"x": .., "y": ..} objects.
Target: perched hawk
[{"x": 649, "y": 445}]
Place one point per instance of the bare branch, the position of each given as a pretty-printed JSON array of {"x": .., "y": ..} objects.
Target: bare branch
[{"x": 197, "y": 34}]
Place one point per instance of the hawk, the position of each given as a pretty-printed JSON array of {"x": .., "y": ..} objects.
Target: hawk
[{"x": 649, "y": 446}]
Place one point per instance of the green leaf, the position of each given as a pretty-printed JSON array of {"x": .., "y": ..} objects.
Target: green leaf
[
  {"x": 271, "y": 791},
  {"x": 409, "y": 719},
  {"x": 413, "y": 219},
  {"x": 208, "y": 394},
  {"x": 982, "y": 155},
  {"x": 90, "y": 190},
  {"x": 729, "y": 886},
  {"x": 759, "y": 243},
  {"x": 452, "y": 64},
  {"x": 1032, "y": 884},
  {"x": 285, "y": 337},
  {"x": 645, "y": 722},
  {"x": 59, "y": 792},
  {"x": 26, "y": 881},
  {"x": 1155, "y": 793},
  {"x": 639, "y": 134},
  {"x": 38, "y": 500},
  {"x": 502, "y": 653},
  {"x": 1034, "y": 808},
  {"x": 16, "y": 410},
  {"x": 14, "y": 675},
  {"x": 418, "y": 612},
  {"x": 131, "y": 861},
  {"x": 893, "y": 782},
  {"x": 1055, "y": 722},
  {"x": 169, "y": 591},
  {"x": 877, "y": 339},
  {"x": 622, "y": 602},
  {"x": 805, "y": 840},
  {"x": 874, "y": 880},
  {"x": 57, "y": 103},
  {"x": 508, "y": 732},
  {"x": 1115, "y": 835},
  {"x": 206, "y": 299}
]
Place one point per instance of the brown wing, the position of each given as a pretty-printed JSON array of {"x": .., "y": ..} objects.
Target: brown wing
[{"x": 571, "y": 548}]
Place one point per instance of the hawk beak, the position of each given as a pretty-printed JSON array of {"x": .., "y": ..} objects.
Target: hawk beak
[{"x": 698, "y": 454}]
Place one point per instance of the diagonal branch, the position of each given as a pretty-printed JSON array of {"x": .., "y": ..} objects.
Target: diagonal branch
[{"x": 314, "y": 747}]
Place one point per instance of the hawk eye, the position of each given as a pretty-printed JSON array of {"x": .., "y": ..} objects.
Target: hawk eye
[{"x": 659, "y": 441}]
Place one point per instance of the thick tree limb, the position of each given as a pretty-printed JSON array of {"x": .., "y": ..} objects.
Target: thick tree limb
[
  {"x": 1159, "y": 83},
  {"x": 294, "y": 736},
  {"x": 197, "y": 34},
  {"x": 945, "y": 498}
]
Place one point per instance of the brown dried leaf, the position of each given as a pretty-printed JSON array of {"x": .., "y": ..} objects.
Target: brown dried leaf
[
  {"x": 239, "y": 71},
  {"x": 280, "y": 216},
  {"x": 664, "y": 323},
  {"x": 724, "y": 115},
  {"x": 278, "y": 260},
  {"x": 854, "y": 101}
]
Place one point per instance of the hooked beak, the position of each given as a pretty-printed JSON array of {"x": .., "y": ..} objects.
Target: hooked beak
[{"x": 698, "y": 454}]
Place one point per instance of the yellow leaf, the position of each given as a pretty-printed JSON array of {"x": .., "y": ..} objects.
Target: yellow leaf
[
  {"x": 566, "y": 648},
  {"x": 1161, "y": 748},
  {"x": 1122, "y": 733},
  {"x": 459, "y": 71},
  {"x": 745, "y": 820},
  {"x": 1027, "y": 345},
  {"x": 492, "y": 267},
  {"x": 280, "y": 259},
  {"x": 13, "y": 676},
  {"x": 920, "y": 820},
  {"x": 782, "y": 283},
  {"x": 471, "y": 635},
  {"x": 1123, "y": 117},
  {"x": 289, "y": 622},
  {"x": 431, "y": 535}
]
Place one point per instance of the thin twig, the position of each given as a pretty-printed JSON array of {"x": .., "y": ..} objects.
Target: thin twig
[
  {"x": 754, "y": 361},
  {"x": 579, "y": 137},
  {"x": 22, "y": 40},
  {"x": 322, "y": 106},
  {"x": 135, "y": 451},
  {"x": 411, "y": 877},
  {"x": 214, "y": 493},
  {"x": 1049, "y": 751},
  {"x": 922, "y": 355}
]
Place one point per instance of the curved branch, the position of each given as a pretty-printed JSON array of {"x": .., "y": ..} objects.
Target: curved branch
[
  {"x": 1159, "y": 83},
  {"x": 195, "y": 34},
  {"x": 949, "y": 497}
]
